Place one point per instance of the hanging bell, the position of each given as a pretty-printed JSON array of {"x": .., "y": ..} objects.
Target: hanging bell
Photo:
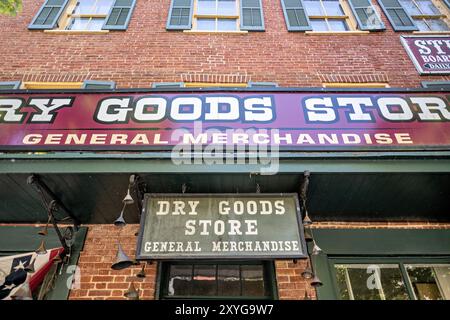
[
  {"x": 41, "y": 249},
  {"x": 307, "y": 273},
  {"x": 44, "y": 231},
  {"x": 316, "y": 249},
  {"x": 30, "y": 267},
  {"x": 315, "y": 282},
  {"x": 132, "y": 293},
  {"x": 306, "y": 220},
  {"x": 120, "y": 221},
  {"x": 128, "y": 198},
  {"x": 23, "y": 293},
  {"x": 141, "y": 273},
  {"x": 122, "y": 260}
]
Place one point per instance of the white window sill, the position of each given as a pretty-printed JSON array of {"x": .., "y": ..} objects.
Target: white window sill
[
  {"x": 214, "y": 32},
  {"x": 330, "y": 33},
  {"x": 77, "y": 31}
]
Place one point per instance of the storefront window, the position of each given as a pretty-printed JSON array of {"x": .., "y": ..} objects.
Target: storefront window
[
  {"x": 370, "y": 282},
  {"x": 388, "y": 282},
  {"x": 249, "y": 280},
  {"x": 430, "y": 282}
]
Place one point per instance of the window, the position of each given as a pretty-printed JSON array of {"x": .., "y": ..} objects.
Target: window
[
  {"x": 326, "y": 15},
  {"x": 87, "y": 84},
  {"x": 10, "y": 85},
  {"x": 331, "y": 15},
  {"x": 392, "y": 281},
  {"x": 426, "y": 15},
  {"x": 417, "y": 15},
  {"x": 439, "y": 85},
  {"x": 84, "y": 15},
  {"x": 216, "y": 15},
  {"x": 220, "y": 280}
]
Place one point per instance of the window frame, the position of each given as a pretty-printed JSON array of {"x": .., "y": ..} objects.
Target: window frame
[
  {"x": 14, "y": 84},
  {"x": 345, "y": 17},
  {"x": 268, "y": 274},
  {"x": 378, "y": 260},
  {"x": 68, "y": 16},
  {"x": 424, "y": 17},
  {"x": 216, "y": 17}
]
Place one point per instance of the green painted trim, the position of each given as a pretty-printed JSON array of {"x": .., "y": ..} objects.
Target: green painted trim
[
  {"x": 61, "y": 290},
  {"x": 384, "y": 245},
  {"x": 383, "y": 242},
  {"x": 167, "y": 166},
  {"x": 22, "y": 239}
]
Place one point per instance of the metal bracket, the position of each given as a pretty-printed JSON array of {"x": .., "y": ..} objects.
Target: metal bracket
[
  {"x": 304, "y": 189},
  {"x": 45, "y": 192},
  {"x": 140, "y": 188}
]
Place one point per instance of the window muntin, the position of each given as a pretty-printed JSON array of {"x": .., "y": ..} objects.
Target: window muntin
[
  {"x": 211, "y": 280},
  {"x": 89, "y": 15},
  {"x": 216, "y": 15},
  {"x": 426, "y": 15},
  {"x": 326, "y": 15},
  {"x": 430, "y": 282}
]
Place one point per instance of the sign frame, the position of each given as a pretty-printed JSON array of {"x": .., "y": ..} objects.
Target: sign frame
[
  {"x": 412, "y": 57},
  {"x": 298, "y": 216}
]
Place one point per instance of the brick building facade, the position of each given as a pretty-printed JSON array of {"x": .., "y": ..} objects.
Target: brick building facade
[{"x": 147, "y": 53}]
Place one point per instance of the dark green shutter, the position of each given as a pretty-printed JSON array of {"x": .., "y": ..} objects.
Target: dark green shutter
[
  {"x": 397, "y": 15},
  {"x": 180, "y": 15},
  {"x": 252, "y": 17},
  {"x": 120, "y": 14},
  {"x": 367, "y": 17},
  {"x": 295, "y": 15},
  {"x": 48, "y": 14}
]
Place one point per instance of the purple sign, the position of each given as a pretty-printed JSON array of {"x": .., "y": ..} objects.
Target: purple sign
[
  {"x": 430, "y": 54},
  {"x": 290, "y": 120}
]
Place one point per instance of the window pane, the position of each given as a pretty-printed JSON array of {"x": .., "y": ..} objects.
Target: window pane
[
  {"x": 420, "y": 23},
  {"x": 226, "y": 25},
  {"x": 437, "y": 25},
  {"x": 410, "y": 7},
  {"x": 430, "y": 282},
  {"x": 332, "y": 8},
  {"x": 93, "y": 7},
  {"x": 319, "y": 25},
  {"x": 337, "y": 25},
  {"x": 180, "y": 280},
  {"x": 86, "y": 24},
  {"x": 206, "y": 24},
  {"x": 370, "y": 282},
  {"x": 313, "y": 8},
  {"x": 252, "y": 280},
  {"x": 204, "y": 283},
  {"x": 206, "y": 7},
  {"x": 227, "y": 7},
  {"x": 229, "y": 280},
  {"x": 427, "y": 7}
]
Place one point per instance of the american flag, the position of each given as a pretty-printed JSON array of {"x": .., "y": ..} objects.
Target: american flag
[{"x": 14, "y": 277}]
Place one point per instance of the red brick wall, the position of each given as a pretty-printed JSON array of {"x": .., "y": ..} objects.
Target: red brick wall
[
  {"x": 147, "y": 53},
  {"x": 99, "y": 281}
]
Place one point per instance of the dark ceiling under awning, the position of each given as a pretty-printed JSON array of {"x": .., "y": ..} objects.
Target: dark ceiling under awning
[{"x": 97, "y": 198}]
